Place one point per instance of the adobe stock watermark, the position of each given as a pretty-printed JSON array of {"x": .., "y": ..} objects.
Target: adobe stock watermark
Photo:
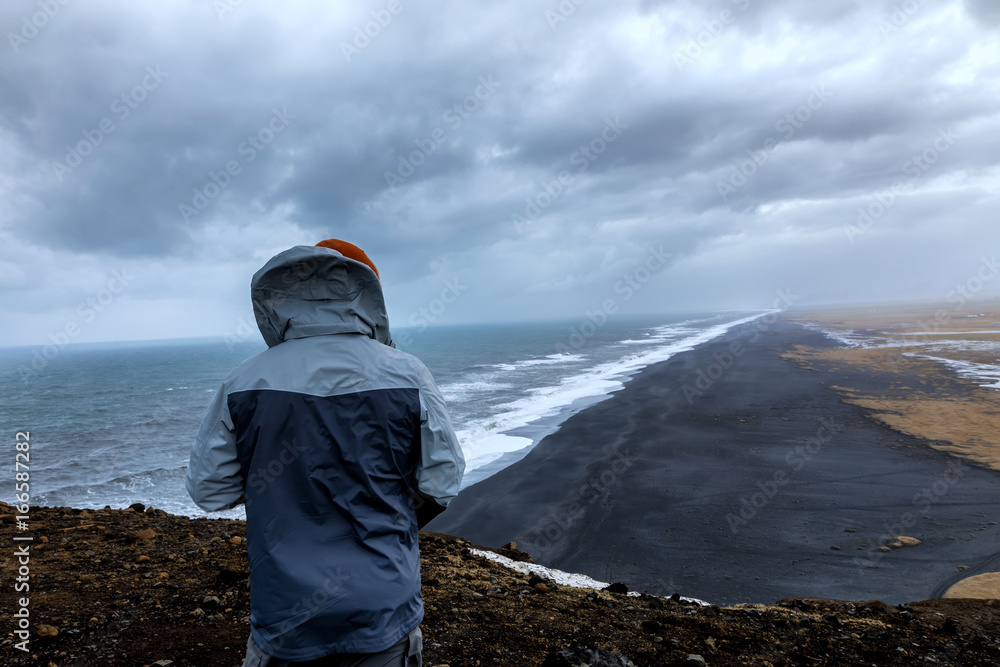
[
  {"x": 333, "y": 587},
  {"x": 246, "y": 328},
  {"x": 122, "y": 107},
  {"x": 964, "y": 292},
  {"x": 370, "y": 30},
  {"x": 630, "y": 283},
  {"x": 562, "y": 12},
  {"x": 424, "y": 316},
  {"x": 597, "y": 487},
  {"x": 691, "y": 50},
  {"x": 901, "y": 14},
  {"x": 454, "y": 117},
  {"x": 152, "y": 424},
  {"x": 915, "y": 168},
  {"x": 86, "y": 312},
  {"x": 708, "y": 376},
  {"x": 923, "y": 501},
  {"x": 249, "y": 149},
  {"x": 663, "y": 589},
  {"x": 796, "y": 459},
  {"x": 223, "y": 7},
  {"x": 31, "y": 24},
  {"x": 582, "y": 158},
  {"x": 961, "y": 296},
  {"x": 786, "y": 126},
  {"x": 267, "y": 473}
]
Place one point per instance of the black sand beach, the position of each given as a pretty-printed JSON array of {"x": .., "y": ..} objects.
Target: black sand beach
[{"x": 741, "y": 478}]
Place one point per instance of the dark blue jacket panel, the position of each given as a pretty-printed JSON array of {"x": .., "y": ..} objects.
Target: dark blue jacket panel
[{"x": 331, "y": 477}]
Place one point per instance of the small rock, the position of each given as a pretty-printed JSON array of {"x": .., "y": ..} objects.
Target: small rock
[
  {"x": 510, "y": 545},
  {"x": 163, "y": 663},
  {"x": 137, "y": 507},
  {"x": 904, "y": 541},
  {"x": 586, "y": 656},
  {"x": 236, "y": 540},
  {"x": 652, "y": 626},
  {"x": 142, "y": 559},
  {"x": 694, "y": 659},
  {"x": 211, "y": 601},
  {"x": 163, "y": 575},
  {"x": 43, "y": 539},
  {"x": 46, "y": 631},
  {"x": 617, "y": 587},
  {"x": 145, "y": 534},
  {"x": 541, "y": 588}
]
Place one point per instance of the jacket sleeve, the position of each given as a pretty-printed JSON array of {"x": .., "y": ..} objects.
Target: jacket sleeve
[
  {"x": 214, "y": 478},
  {"x": 442, "y": 464}
]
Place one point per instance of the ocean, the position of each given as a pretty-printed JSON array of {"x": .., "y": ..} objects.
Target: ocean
[{"x": 112, "y": 423}]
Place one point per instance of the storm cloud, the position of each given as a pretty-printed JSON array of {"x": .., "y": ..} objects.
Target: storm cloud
[{"x": 531, "y": 154}]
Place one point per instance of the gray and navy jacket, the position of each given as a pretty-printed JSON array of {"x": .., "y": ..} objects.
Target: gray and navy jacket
[{"x": 340, "y": 445}]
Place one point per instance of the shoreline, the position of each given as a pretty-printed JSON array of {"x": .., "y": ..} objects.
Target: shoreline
[
  {"x": 757, "y": 483},
  {"x": 538, "y": 429}
]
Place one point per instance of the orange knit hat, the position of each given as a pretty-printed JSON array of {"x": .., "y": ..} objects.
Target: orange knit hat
[{"x": 349, "y": 250}]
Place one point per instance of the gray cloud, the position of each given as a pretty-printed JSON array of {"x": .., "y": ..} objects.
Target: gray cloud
[{"x": 466, "y": 140}]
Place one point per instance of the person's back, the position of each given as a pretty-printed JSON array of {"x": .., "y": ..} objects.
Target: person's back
[{"x": 341, "y": 445}]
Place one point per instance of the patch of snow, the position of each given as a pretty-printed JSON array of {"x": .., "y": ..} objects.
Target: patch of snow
[{"x": 562, "y": 578}]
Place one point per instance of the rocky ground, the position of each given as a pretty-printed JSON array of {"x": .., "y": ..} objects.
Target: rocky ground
[{"x": 141, "y": 587}]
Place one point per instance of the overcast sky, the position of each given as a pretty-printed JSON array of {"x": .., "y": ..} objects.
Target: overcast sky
[{"x": 520, "y": 159}]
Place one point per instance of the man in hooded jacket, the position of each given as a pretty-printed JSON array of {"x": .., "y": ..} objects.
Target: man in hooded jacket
[{"x": 340, "y": 446}]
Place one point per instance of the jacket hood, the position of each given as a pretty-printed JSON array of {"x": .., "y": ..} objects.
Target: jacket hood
[{"x": 313, "y": 291}]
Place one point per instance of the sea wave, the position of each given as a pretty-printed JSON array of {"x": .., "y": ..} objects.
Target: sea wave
[{"x": 480, "y": 441}]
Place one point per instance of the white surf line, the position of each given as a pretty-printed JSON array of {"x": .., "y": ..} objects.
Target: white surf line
[{"x": 562, "y": 578}]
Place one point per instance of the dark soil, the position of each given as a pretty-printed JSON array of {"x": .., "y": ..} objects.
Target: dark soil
[{"x": 122, "y": 587}]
